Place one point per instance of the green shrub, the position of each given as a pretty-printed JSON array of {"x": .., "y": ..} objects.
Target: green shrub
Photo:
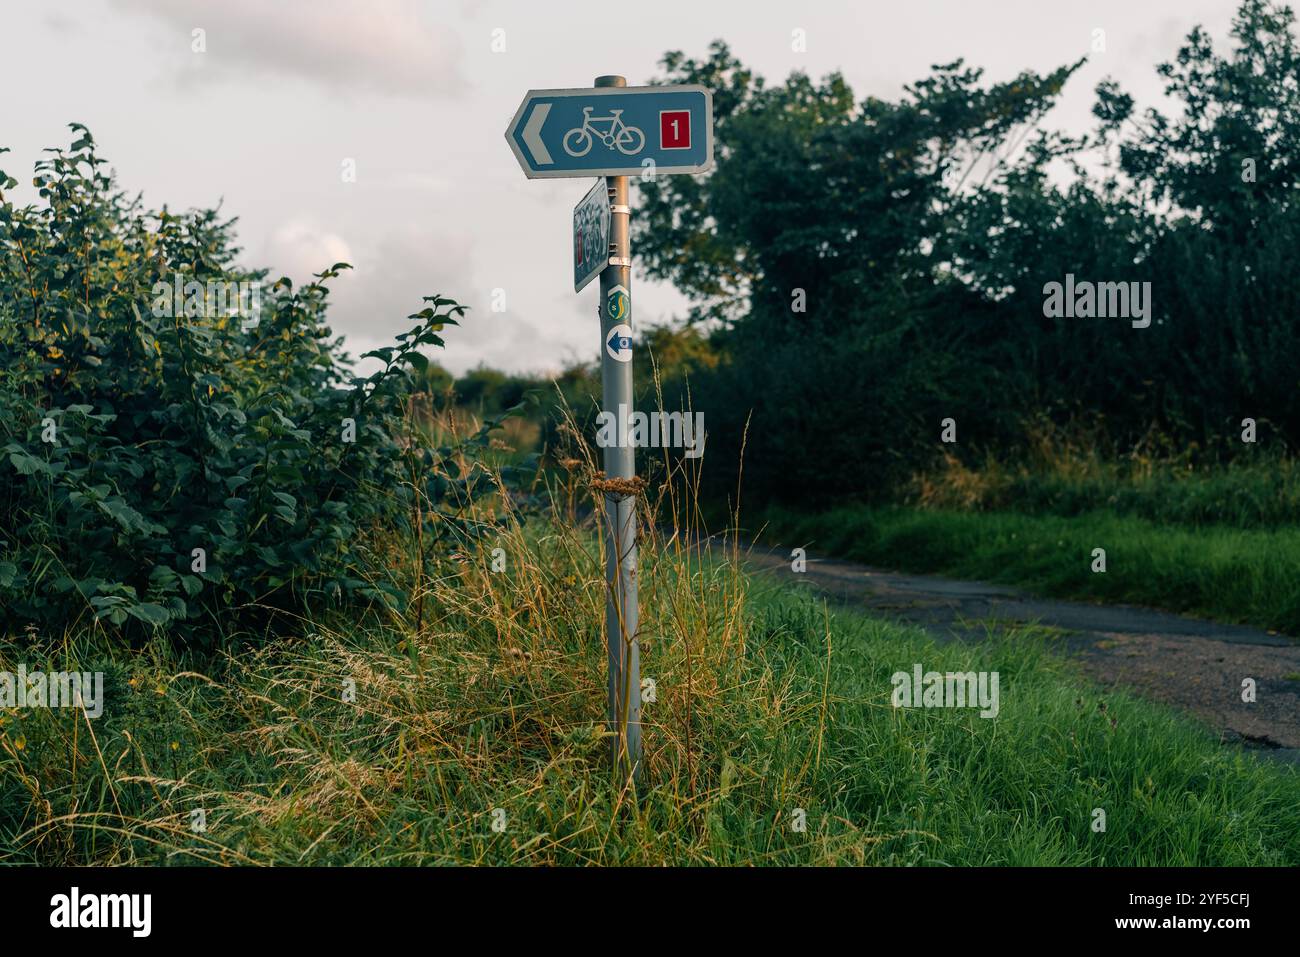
[{"x": 137, "y": 427}]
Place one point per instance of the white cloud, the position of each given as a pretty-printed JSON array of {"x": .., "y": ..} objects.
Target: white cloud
[
  {"x": 389, "y": 279},
  {"x": 370, "y": 305},
  {"x": 382, "y": 45},
  {"x": 300, "y": 249}
]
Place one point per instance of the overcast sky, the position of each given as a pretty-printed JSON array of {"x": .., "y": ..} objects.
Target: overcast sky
[{"x": 414, "y": 93}]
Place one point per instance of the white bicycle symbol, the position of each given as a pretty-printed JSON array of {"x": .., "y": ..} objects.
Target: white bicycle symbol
[{"x": 626, "y": 139}]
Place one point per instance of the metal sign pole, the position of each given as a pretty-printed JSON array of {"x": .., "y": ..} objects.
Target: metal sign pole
[
  {"x": 624, "y": 679},
  {"x": 614, "y": 131}
]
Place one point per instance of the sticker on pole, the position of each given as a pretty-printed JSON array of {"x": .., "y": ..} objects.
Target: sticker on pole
[
  {"x": 619, "y": 343},
  {"x": 591, "y": 219},
  {"x": 617, "y": 303}
]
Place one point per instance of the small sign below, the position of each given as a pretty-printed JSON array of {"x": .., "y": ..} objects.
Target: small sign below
[{"x": 591, "y": 221}]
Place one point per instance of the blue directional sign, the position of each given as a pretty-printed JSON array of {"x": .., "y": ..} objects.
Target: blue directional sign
[{"x": 612, "y": 131}]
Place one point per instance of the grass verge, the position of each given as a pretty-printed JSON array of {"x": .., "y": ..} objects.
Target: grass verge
[
  {"x": 1229, "y": 574},
  {"x": 766, "y": 703}
]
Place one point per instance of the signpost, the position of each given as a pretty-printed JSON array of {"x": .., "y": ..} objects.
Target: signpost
[{"x": 614, "y": 131}]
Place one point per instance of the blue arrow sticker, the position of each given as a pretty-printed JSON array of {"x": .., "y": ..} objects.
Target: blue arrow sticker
[{"x": 619, "y": 343}]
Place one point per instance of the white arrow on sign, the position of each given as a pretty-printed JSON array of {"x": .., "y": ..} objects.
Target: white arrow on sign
[{"x": 533, "y": 134}]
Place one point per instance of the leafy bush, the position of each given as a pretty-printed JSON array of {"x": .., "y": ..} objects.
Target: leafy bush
[{"x": 132, "y": 437}]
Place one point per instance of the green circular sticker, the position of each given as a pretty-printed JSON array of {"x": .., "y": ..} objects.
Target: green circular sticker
[{"x": 618, "y": 304}]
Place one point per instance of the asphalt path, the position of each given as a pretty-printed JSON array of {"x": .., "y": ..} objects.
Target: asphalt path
[{"x": 1194, "y": 665}]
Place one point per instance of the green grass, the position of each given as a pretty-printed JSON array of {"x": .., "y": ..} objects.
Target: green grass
[
  {"x": 1066, "y": 476},
  {"x": 767, "y": 702},
  {"x": 1229, "y": 574}
]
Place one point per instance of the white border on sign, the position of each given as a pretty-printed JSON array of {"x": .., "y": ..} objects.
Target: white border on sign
[{"x": 615, "y": 170}]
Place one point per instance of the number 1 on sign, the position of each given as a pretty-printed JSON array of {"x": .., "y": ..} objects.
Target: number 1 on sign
[{"x": 675, "y": 129}]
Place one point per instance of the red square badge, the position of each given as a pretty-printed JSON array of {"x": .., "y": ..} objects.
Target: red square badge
[{"x": 675, "y": 129}]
